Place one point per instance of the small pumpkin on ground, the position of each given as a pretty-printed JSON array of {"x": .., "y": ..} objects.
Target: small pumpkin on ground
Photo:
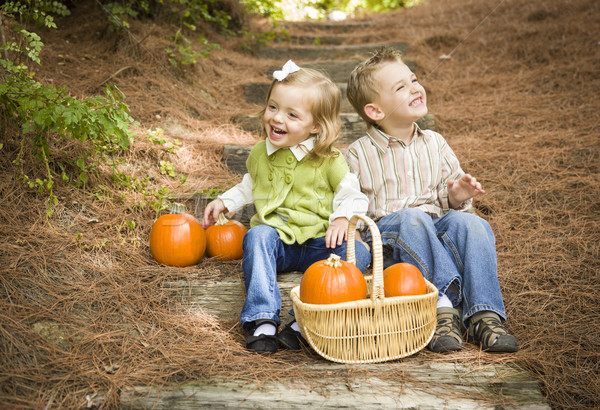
[
  {"x": 177, "y": 238},
  {"x": 332, "y": 281},
  {"x": 225, "y": 238},
  {"x": 403, "y": 279}
]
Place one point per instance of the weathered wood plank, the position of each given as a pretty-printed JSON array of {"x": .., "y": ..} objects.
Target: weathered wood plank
[
  {"x": 225, "y": 299},
  {"x": 331, "y": 27},
  {"x": 316, "y": 40},
  {"x": 326, "y": 52},
  {"x": 338, "y": 70},
  {"x": 256, "y": 93},
  {"x": 430, "y": 385}
]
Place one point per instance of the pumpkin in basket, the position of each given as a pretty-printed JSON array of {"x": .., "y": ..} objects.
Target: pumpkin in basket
[
  {"x": 225, "y": 238},
  {"x": 177, "y": 238},
  {"x": 403, "y": 279},
  {"x": 332, "y": 281}
]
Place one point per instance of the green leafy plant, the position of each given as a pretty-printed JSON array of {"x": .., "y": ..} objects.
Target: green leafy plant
[
  {"x": 100, "y": 127},
  {"x": 267, "y": 8},
  {"x": 182, "y": 52},
  {"x": 189, "y": 13},
  {"x": 254, "y": 40},
  {"x": 119, "y": 13}
]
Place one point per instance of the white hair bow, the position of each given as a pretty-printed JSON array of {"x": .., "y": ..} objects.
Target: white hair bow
[{"x": 288, "y": 68}]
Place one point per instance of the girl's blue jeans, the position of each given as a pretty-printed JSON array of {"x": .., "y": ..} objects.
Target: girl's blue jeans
[
  {"x": 456, "y": 249},
  {"x": 265, "y": 255}
]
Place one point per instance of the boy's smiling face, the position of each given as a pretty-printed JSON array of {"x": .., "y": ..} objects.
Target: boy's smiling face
[{"x": 401, "y": 100}]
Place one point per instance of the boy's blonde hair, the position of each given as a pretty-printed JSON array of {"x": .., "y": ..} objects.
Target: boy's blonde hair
[
  {"x": 362, "y": 89},
  {"x": 326, "y": 100}
]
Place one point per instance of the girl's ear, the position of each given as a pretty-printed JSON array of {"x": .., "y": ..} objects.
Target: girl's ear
[
  {"x": 316, "y": 129},
  {"x": 374, "y": 112}
]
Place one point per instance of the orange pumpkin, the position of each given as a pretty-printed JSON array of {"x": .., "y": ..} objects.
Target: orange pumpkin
[
  {"x": 332, "y": 281},
  {"x": 225, "y": 238},
  {"x": 177, "y": 238},
  {"x": 403, "y": 279}
]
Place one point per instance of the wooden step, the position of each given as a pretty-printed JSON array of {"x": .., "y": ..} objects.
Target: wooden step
[
  {"x": 256, "y": 93},
  {"x": 316, "y": 40},
  {"x": 353, "y": 128},
  {"x": 326, "y": 27},
  {"x": 338, "y": 70},
  {"x": 326, "y": 52},
  {"x": 421, "y": 385},
  {"x": 225, "y": 298},
  {"x": 409, "y": 383}
]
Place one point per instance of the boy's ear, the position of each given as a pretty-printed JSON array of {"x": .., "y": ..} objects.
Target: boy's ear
[{"x": 374, "y": 112}]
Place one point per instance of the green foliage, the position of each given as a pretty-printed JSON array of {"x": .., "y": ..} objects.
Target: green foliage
[
  {"x": 196, "y": 10},
  {"x": 254, "y": 40},
  {"x": 212, "y": 193},
  {"x": 48, "y": 116},
  {"x": 279, "y": 10},
  {"x": 190, "y": 13},
  {"x": 379, "y": 6},
  {"x": 182, "y": 52},
  {"x": 118, "y": 14},
  {"x": 267, "y": 8}
]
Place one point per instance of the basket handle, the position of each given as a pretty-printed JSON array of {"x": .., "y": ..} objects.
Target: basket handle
[{"x": 377, "y": 285}]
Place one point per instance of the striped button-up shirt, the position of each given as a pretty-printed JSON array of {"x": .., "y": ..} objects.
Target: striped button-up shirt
[{"x": 395, "y": 175}]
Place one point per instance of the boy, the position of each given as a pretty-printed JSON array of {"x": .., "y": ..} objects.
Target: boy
[{"x": 418, "y": 194}]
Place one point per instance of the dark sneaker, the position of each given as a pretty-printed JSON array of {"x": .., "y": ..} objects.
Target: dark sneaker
[
  {"x": 290, "y": 338},
  {"x": 492, "y": 336},
  {"x": 447, "y": 335}
]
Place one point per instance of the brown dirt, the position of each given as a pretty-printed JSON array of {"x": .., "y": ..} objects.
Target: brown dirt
[{"x": 82, "y": 309}]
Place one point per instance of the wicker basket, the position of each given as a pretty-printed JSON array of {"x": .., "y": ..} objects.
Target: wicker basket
[{"x": 371, "y": 330}]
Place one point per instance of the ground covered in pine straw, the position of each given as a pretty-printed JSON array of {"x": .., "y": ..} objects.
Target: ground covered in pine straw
[{"x": 514, "y": 87}]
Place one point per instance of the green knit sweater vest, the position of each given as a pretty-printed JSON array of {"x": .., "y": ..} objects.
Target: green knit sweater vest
[{"x": 294, "y": 197}]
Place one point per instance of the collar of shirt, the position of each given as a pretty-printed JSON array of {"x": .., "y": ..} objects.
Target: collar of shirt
[
  {"x": 299, "y": 150},
  {"x": 382, "y": 140}
]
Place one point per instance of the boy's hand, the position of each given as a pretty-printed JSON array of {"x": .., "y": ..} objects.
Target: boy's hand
[
  {"x": 336, "y": 233},
  {"x": 462, "y": 189},
  {"x": 212, "y": 211}
]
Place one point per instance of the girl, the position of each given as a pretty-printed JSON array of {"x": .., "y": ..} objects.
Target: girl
[{"x": 304, "y": 196}]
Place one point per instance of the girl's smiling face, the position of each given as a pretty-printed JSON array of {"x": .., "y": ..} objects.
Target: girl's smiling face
[
  {"x": 288, "y": 116},
  {"x": 402, "y": 99}
]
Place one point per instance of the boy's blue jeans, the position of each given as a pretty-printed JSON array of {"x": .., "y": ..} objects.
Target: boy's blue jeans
[
  {"x": 265, "y": 255},
  {"x": 458, "y": 248}
]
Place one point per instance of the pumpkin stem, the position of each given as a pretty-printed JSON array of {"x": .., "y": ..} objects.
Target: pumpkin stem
[
  {"x": 177, "y": 208},
  {"x": 333, "y": 261},
  {"x": 222, "y": 219}
]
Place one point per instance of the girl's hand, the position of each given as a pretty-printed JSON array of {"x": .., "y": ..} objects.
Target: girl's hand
[
  {"x": 462, "y": 189},
  {"x": 336, "y": 233},
  {"x": 212, "y": 211}
]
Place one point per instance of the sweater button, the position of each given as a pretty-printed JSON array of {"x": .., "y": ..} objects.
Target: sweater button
[
  {"x": 272, "y": 157},
  {"x": 288, "y": 179},
  {"x": 270, "y": 176},
  {"x": 290, "y": 159}
]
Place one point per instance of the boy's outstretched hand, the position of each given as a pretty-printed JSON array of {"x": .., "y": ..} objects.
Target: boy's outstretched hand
[
  {"x": 336, "y": 233},
  {"x": 462, "y": 189}
]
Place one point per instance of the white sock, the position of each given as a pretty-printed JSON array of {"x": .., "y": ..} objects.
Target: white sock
[
  {"x": 296, "y": 327},
  {"x": 267, "y": 328},
  {"x": 443, "y": 301}
]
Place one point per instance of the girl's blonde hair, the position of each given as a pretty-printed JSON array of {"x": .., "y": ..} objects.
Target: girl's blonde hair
[{"x": 326, "y": 99}]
